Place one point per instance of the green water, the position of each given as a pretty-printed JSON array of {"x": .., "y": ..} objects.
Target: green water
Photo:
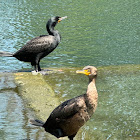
[
  {"x": 99, "y": 33},
  {"x": 95, "y": 32}
]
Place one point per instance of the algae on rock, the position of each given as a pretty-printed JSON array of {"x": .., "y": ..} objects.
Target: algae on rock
[{"x": 37, "y": 92}]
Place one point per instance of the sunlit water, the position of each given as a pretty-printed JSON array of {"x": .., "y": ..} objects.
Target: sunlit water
[{"x": 100, "y": 33}]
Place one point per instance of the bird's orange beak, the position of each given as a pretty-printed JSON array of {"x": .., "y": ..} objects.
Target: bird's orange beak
[
  {"x": 86, "y": 72},
  {"x": 61, "y": 18}
]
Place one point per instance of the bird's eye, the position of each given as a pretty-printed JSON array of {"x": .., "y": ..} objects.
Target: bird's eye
[{"x": 88, "y": 70}]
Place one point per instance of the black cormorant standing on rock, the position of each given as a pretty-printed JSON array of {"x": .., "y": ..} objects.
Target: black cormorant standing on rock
[
  {"x": 68, "y": 117},
  {"x": 39, "y": 47}
]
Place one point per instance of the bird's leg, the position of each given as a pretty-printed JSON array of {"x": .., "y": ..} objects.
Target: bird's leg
[
  {"x": 35, "y": 72},
  {"x": 38, "y": 66},
  {"x": 37, "y": 69},
  {"x": 71, "y": 137},
  {"x": 37, "y": 62}
]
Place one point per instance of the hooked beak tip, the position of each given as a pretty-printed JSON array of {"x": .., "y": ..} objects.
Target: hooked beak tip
[{"x": 60, "y": 19}]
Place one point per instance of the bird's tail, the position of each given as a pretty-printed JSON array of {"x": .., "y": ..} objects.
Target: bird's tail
[
  {"x": 6, "y": 54},
  {"x": 36, "y": 122}
]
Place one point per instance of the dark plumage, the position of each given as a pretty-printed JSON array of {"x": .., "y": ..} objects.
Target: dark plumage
[
  {"x": 68, "y": 117},
  {"x": 39, "y": 47}
]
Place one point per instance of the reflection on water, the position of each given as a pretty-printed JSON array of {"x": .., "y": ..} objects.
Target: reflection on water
[
  {"x": 11, "y": 116},
  {"x": 14, "y": 116}
]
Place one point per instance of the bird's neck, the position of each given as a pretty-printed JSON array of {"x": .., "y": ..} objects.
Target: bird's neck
[
  {"x": 91, "y": 90},
  {"x": 53, "y": 32},
  {"x": 92, "y": 96}
]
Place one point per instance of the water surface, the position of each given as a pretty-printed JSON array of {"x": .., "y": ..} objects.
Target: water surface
[{"x": 95, "y": 32}]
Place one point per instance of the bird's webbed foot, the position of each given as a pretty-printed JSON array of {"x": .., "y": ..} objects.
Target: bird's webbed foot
[{"x": 35, "y": 72}]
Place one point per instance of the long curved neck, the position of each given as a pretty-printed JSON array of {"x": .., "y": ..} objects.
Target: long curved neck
[
  {"x": 92, "y": 96},
  {"x": 51, "y": 31},
  {"x": 91, "y": 90}
]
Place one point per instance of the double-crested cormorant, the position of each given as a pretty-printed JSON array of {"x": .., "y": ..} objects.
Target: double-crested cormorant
[
  {"x": 68, "y": 117},
  {"x": 37, "y": 48}
]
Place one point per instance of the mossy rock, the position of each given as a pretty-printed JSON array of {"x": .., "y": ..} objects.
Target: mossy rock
[{"x": 38, "y": 94}]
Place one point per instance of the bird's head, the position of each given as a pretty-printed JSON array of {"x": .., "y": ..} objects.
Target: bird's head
[
  {"x": 54, "y": 20},
  {"x": 90, "y": 71}
]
